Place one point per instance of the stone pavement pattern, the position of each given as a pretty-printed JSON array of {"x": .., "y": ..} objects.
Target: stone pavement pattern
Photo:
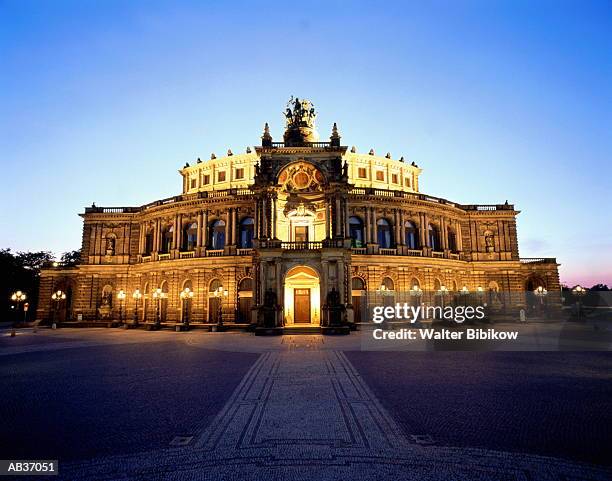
[{"x": 303, "y": 412}]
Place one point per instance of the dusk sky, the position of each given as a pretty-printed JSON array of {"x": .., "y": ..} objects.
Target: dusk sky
[{"x": 105, "y": 101}]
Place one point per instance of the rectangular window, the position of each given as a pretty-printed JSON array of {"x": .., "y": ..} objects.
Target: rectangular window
[
  {"x": 206, "y": 180},
  {"x": 394, "y": 178},
  {"x": 361, "y": 173},
  {"x": 194, "y": 183},
  {"x": 239, "y": 173},
  {"x": 380, "y": 175},
  {"x": 221, "y": 176},
  {"x": 407, "y": 181}
]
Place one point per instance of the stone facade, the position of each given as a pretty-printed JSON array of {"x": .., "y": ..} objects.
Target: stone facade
[{"x": 294, "y": 232}]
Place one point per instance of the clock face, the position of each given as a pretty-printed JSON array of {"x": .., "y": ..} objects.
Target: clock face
[{"x": 301, "y": 177}]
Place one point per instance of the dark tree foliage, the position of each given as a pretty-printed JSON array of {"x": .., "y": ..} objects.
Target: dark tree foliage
[
  {"x": 71, "y": 258},
  {"x": 20, "y": 271}
]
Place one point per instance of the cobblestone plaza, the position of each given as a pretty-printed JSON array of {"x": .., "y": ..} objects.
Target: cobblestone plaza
[{"x": 114, "y": 404}]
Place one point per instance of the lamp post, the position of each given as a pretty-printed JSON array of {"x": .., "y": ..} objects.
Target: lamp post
[
  {"x": 541, "y": 293},
  {"x": 58, "y": 297},
  {"x": 480, "y": 294},
  {"x": 579, "y": 292},
  {"x": 186, "y": 296},
  {"x": 416, "y": 293},
  {"x": 121, "y": 297},
  {"x": 136, "y": 295},
  {"x": 18, "y": 298},
  {"x": 158, "y": 295},
  {"x": 442, "y": 292},
  {"x": 464, "y": 293},
  {"x": 220, "y": 293}
]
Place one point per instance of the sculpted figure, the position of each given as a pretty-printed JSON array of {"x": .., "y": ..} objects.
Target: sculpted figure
[{"x": 110, "y": 246}]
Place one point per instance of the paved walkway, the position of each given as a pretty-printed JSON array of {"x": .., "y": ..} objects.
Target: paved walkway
[{"x": 303, "y": 412}]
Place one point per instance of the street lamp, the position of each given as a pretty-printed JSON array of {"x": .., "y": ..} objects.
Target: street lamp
[
  {"x": 121, "y": 297},
  {"x": 186, "y": 295},
  {"x": 443, "y": 291},
  {"x": 480, "y": 294},
  {"x": 464, "y": 292},
  {"x": 541, "y": 292},
  {"x": 158, "y": 294},
  {"x": 220, "y": 293},
  {"x": 58, "y": 297},
  {"x": 579, "y": 292},
  {"x": 136, "y": 295},
  {"x": 18, "y": 297}
]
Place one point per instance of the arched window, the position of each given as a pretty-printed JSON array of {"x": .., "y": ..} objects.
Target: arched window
[
  {"x": 452, "y": 240},
  {"x": 167, "y": 235},
  {"x": 383, "y": 229},
  {"x": 412, "y": 235},
  {"x": 148, "y": 242},
  {"x": 388, "y": 284},
  {"x": 247, "y": 229},
  {"x": 190, "y": 236},
  {"x": 356, "y": 232},
  {"x": 357, "y": 284},
  {"x": 245, "y": 284},
  {"x": 216, "y": 237},
  {"x": 434, "y": 237},
  {"x": 214, "y": 286}
]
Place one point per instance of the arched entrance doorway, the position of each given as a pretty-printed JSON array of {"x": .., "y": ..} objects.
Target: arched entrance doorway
[{"x": 302, "y": 296}]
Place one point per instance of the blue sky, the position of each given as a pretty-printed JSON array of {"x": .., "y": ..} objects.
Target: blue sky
[{"x": 104, "y": 101}]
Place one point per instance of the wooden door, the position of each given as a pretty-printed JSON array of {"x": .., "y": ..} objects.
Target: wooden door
[
  {"x": 301, "y": 305},
  {"x": 357, "y": 308},
  {"x": 244, "y": 309},
  {"x": 213, "y": 309}
]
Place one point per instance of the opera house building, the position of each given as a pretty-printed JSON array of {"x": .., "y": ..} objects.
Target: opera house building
[{"x": 295, "y": 234}]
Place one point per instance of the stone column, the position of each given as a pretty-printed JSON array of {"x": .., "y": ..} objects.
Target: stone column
[
  {"x": 423, "y": 230},
  {"x": 402, "y": 228},
  {"x": 274, "y": 215},
  {"x": 199, "y": 233},
  {"x": 327, "y": 223},
  {"x": 367, "y": 228},
  {"x": 141, "y": 238},
  {"x": 228, "y": 229},
  {"x": 339, "y": 220},
  {"x": 373, "y": 225},
  {"x": 234, "y": 226},
  {"x": 443, "y": 234},
  {"x": 396, "y": 225},
  {"x": 347, "y": 227}
]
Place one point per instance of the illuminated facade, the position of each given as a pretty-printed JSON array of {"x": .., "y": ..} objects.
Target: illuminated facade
[{"x": 299, "y": 232}]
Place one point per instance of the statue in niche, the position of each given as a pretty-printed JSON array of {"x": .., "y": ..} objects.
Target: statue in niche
[
  {"x": 110, "y": 246},
  {"x": 489, "y": 241},
  {"x": 270, "y": 298},
  {"x": 107, "y": 299},
  {"x": 333, "y": 298}
]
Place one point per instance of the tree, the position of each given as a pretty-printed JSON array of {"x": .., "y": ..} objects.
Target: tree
[
  {"x": 20, "y": 272},
  {"x": 71, "y": 258}
]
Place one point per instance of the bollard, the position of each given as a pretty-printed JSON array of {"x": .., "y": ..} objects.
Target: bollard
[{"x": 13, "y": 332}]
